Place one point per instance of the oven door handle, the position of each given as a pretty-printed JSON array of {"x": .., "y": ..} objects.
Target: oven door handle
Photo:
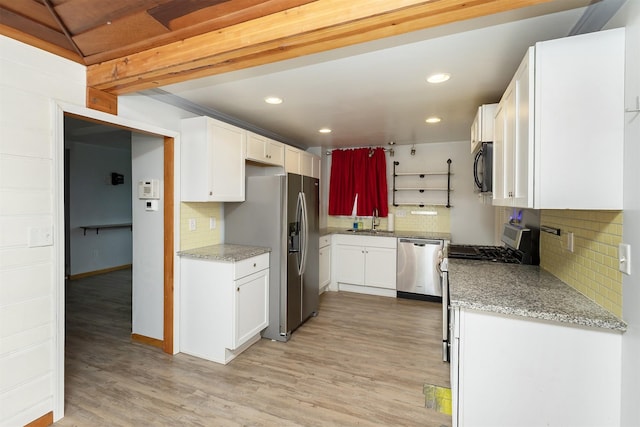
[{"x": 445, "y": 316}]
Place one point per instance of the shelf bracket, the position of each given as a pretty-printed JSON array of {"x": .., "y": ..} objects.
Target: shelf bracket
[{"x": 448, "y": 183}]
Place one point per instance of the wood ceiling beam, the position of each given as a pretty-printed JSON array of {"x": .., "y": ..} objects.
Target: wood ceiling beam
[{"x": 311, "y": 28}]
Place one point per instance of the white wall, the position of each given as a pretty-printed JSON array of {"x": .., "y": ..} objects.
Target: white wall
[
  {"x": 629, "y": 16},
  {"x": 471, "y": 221},
  {"x": 29, "y": 80},
  {"x": 147, "y": 157},
  {"x": 93, "y": 201}
]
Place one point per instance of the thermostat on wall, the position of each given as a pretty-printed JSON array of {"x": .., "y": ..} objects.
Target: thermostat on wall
[{"x": 149, "y": 189}]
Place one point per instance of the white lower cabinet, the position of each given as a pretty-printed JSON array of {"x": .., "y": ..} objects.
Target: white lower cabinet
[
  {"x": 223, "y": 306},
  {"x": 365, "y": 264},
  {"x": 324, "y": 263},
  {"x": 515, "y": 371}
]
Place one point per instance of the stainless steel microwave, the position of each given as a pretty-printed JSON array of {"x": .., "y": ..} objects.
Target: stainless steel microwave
[{"x": 483, "y": 168}]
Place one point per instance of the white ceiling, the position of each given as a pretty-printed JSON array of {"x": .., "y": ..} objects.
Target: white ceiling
[{"x": 377, "y": 92}]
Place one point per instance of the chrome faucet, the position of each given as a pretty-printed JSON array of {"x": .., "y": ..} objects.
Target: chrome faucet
[{"x": 375, "y": 221}]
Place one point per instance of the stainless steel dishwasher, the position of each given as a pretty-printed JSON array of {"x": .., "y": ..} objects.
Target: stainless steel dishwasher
[{"x": 418, "y": 276}]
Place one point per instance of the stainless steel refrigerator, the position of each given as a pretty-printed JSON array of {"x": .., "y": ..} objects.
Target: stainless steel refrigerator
[{"x": 281, "y": 212}]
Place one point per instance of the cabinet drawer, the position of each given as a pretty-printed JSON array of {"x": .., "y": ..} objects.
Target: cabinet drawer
[
  {"x": 325, "y": 241},
  {"x": 251, "y": 265}
]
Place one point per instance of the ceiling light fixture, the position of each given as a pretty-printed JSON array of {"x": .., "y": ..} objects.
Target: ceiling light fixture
[
  {"x": 432, "y": 120},
  {"x": 438, "y": 78},
  {"x": 324, "y": 130},
  {"x": 273, "y": 100}
]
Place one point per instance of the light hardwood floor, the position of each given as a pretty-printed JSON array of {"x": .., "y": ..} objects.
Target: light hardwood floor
[{"x": 363, "y": 361}]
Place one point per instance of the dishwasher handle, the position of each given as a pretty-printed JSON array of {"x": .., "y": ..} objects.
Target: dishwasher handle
[{"x": 421, "y": 242}]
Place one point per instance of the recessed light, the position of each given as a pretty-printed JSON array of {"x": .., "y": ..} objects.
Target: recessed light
[
  {"x": 432, "y": 120},
  {"x": 273, "y": 100},
  {"x": 438, "y": 78},
  {"x": 324, "y": 130}
]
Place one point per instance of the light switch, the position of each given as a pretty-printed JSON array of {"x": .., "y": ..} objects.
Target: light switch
[
  {"x": 40, "y": 236},
  {"x": 624, "y": 258},
  {"x": 192, "y": 224},
  {"x": 212, "y": 223}
]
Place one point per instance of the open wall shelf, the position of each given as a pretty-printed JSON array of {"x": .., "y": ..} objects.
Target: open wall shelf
[{"x": 422, "y": 183}]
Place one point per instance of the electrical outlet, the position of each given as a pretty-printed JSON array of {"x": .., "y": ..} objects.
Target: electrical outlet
[
  {"x": 624, "y": 258},
  {"x": 401, "y": 213},
  {"x": 192, "y": 224},
  {"x": 569, "y": 243},
  {"x": 212, "y": 223}
]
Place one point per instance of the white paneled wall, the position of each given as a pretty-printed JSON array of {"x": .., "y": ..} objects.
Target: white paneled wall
[{"x": 30, "y": 81}]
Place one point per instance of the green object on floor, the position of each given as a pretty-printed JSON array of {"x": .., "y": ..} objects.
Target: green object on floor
[{"x": 438, "y": 398}]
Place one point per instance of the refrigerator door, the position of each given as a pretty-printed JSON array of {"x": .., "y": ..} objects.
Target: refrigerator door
[
  {"x": 292, "y": 299},
  {"x": 310, "y": 277}
]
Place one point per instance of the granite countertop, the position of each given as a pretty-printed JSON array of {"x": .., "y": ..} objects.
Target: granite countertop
[
  {"x": 224, "y": 252},
  {"x": 523, "y": 290},
  {"x": 384, "y": 233}
]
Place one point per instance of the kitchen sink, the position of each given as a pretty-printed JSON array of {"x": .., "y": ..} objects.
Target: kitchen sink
[{"x": 370, "y": 232}]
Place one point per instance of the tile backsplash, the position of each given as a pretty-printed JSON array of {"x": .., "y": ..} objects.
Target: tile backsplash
[
  {"x": 592, "y": 267},
  {"x": 404, "y": 219},
  {"x": 202, "y": 235}
]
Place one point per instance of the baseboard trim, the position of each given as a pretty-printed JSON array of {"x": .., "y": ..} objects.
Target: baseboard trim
[
  {"x": 43, "y": 421},
  {"x": 96, "y": 272},
  {"x": 147, "y": 340}
]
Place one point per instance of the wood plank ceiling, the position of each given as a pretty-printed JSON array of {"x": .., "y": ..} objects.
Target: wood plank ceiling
[
  {"x": 132, "y": 45},
  {"x": 93, "y": 31}
]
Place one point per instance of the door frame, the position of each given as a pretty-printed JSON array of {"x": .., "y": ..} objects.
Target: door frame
[{"x": 171, "y": 231}]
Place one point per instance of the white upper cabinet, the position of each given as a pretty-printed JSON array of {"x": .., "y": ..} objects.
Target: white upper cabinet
[
  {"x": 301, "y": 162},
  {"x": 264, "y": 150},
  {"x": 559, "y": 126},
  {"x": 482, "y": 126},
  {"x": 513, "y": 141},
  {"x": 212, "y": 161}
]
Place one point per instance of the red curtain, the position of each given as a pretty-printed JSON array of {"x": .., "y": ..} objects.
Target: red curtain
[
  {"x": 341, "y": 185},
  {"x": 360, "y": 172}
]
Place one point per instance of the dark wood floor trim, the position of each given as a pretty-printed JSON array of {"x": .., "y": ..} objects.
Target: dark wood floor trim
[
  {"x": 43, "y": 421},
  {"x": 97, "y": 272},
  {"x": 147, "y": 340}
]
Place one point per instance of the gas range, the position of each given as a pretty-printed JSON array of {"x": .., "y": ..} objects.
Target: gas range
[
  {"x": 486, "y": 253},
  {"x": 520, "y": 247}
]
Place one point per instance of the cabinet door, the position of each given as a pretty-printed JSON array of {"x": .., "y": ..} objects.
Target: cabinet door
[
  {"x": 380, "y": 267},
  {"x": 306, "y": 164},
  {"x": 264, "y": 150},
  {"x": 251, "y": 307},
  {"x": 499, "y": 190},
  {"x": 325, "y": 266},
  {"x": 350, "y": 269},
  {"x": 522, "y": 187},
  {"x": 317, "y": 164},
  {"x": 255, "y": 147},
  {"x": 292, "y": 160},
  {"x": 274, "y": 152},
  {"x": 226, "y": 162}
]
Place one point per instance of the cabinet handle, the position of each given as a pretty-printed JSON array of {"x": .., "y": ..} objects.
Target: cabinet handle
[
  {"x": 254, "y": 265},
  {"x": 238, "y": 289}
]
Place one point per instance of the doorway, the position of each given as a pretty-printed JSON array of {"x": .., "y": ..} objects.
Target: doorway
[{"x": 167, "y": 231}]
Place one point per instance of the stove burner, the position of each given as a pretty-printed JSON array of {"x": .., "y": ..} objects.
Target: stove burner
[{"x": 486, "y": 253}]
